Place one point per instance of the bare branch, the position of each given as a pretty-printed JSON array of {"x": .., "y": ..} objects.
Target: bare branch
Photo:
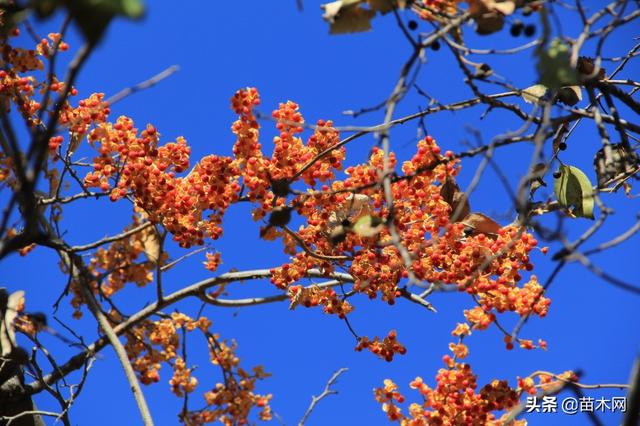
[
  {"x": 326, "y": 392},
  {"x": 143, "y": 85}
]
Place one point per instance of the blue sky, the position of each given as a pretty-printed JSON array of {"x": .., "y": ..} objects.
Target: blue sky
[{"x": 287, "y": 54}]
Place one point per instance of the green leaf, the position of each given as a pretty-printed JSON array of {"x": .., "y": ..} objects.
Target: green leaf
[
  {"x": 45, "y": 8},
  {"x": 573, "y": 189},
  {"x": 554, "y": 66},
  {"x": 368, "y": 226},
  {"x": 130, "y": 8}
]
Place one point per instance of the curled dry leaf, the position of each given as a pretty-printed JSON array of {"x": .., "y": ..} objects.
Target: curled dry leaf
[
  {"x": 386, "y": 6},
  {"x": 481, "y": 224},
  {"x": 151, "y": 244},
  {"x": 489, "y": 14},
  {"x": 534, "y": 94},
  {"x": 294, "y": 299},
  {"x": 74, "y": 142},
  {"x": 451, "y": 193},
  {"x": 587, "y": 69},
  {"x": 536, "y": 180},
  {"x": 347, "y": 16},
  {"x": 54, "y": 182},
  {"x": 569, "y": 95},
  {"x": 623, "y": 162},
  {"x": 8, "y": 314},
  {"x": 560, "y": 134}
]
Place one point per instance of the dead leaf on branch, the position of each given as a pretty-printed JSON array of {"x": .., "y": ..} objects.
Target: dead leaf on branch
[
  {"x": 479, "y": 223},
  {"x": 347, "y": 16},
  {"x": 8, "y": 312},
  {"x": 506, "y": 7},
  {"x": 386, "y": 6},
  {"x": 452, "y": 195},
  {"x": 54, "y": 182},
  {"x": 623, "y": 162},
  {"x": 489, "y": 14},
  {"x": 586, "y": 69},
  {"x": 534, "y": 94},
  {"x": 151, "y": 244},
  {"x": 536, "y": 180},
  {"x": 568, "y": 95},
  {"x": 74, "y": 142}
]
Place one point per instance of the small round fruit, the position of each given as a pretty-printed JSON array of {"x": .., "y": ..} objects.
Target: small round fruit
[
  {"x": 529, "y": 30},
  {"x": 516, "y": 28}
]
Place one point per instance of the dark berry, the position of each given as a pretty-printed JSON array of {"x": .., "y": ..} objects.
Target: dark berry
[
  {"x": 280, "y": 216},
  {"x": 280, "y": 187},
  {"x": 412, "y": 25},
  {"x": 562, "y": 146},
  {"x": 435, "y": 45},
  {"x": 516, "y": 28},
  {"x": 556, "y": 175},
  {"x": 529, "y": 30}
]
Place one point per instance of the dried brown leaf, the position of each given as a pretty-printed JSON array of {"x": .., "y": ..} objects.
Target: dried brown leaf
[
  {"x": 570, "y": 95},
  {"x": 386, "y": 6},
  {"x": 151, "y": 244},
  {"x": 347, "y": 16},
  {"x": 481, "y": 223},
  {"x": 452, "y": 195},
  {"x": 489, "y": 14},
  {"x": 54, "y": 182},
  {"x": 7, "y": 327}
]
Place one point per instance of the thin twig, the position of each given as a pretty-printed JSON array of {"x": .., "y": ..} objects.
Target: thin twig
[{"x": 326, "y": 392}]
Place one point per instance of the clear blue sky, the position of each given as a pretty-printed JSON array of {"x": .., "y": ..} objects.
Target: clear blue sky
[{"x": 287, "y": 54}]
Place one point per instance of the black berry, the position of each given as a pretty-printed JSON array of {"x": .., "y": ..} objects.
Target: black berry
[
  {"x": 556, "y": 175},
  {"x": 280, "y": 187},
  {"x": 435, "y": 45},
  {"x": 412, "y": 25},
  {"x": 529, "y": 30},
  {"x": 516, "y": 28},
  {"x": 280, "y": 216},
  {"x": 562, "y": 146}
]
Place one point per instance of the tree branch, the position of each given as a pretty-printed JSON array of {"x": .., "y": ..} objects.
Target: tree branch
[{"x": 326, "y": 392}]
